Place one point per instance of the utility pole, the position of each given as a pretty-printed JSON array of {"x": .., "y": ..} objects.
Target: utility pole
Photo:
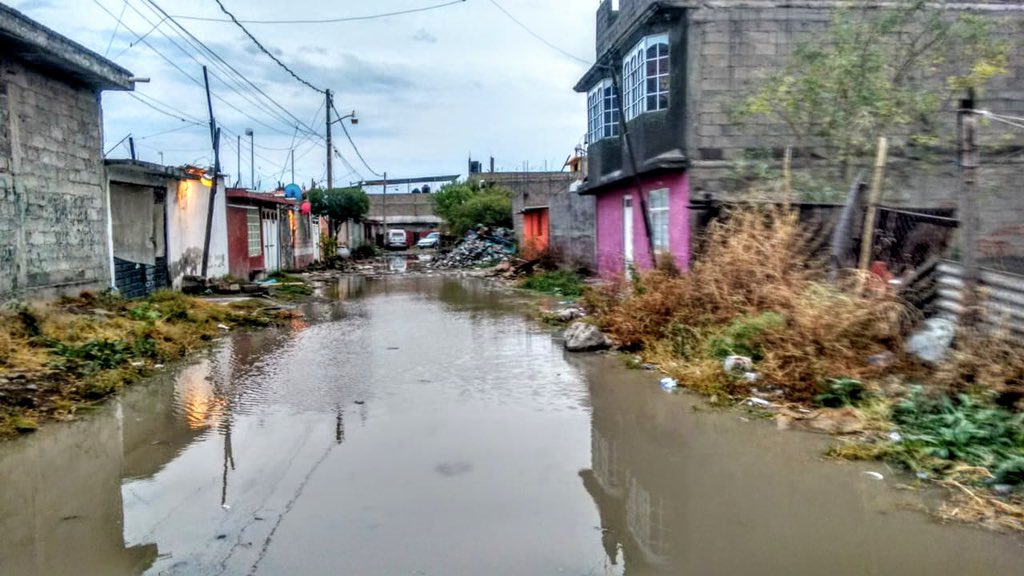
[
  {"x": 967, "y": 126},
  {"x": 384, "y": 208},
  {"x": 330, "y": 146},
  {"x": 215, "y": 139},
  {"x": 624, "y": 132},
  {"x": 131, "y": 146},
  {"x": 293, "y": 164}
]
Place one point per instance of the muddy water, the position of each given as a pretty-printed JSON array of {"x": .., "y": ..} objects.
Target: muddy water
[{"x": 424, "y": 426}]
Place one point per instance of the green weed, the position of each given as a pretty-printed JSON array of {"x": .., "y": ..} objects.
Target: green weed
[
  {"x": 962, "y": 429},
  {"x": 559, "y": 282}
]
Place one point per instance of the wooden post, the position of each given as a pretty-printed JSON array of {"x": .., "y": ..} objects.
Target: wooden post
[
  {"x": 967, "y": 124},
  {"x": 330, "y": 146},
  {"x": 787, "y": 176},
  {"x": 215, "y": 140},
  {"x": 867, "y": 241}
]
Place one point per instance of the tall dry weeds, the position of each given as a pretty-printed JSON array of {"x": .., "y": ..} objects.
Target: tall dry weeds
[{"x": 757, "y": 261}]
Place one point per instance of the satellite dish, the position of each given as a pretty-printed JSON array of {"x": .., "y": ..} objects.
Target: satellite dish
[{"x": 293, "y": 191}]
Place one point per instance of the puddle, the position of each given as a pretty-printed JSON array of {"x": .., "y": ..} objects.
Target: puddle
[{"x": 425, "y": 426}]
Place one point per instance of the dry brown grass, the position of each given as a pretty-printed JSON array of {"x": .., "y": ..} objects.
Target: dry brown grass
[
  {"x": 58, "y": 355},
  {"x": 985, "y": 361},
  {"x": 756, "y": 262}
]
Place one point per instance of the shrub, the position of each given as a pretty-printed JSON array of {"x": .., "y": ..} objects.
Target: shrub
[{"x": 756, "y": 291}]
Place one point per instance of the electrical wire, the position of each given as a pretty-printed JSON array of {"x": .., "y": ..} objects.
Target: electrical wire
[
  {"x": 267, "y": 52},
  {"x": 228, "y": 70},
  {"x": 538, "y": 36},
  {"x": 353, "y": 143},
  {"x": 168, "y": 131},
  {"x": 326, "y": 20},
  {"x": 164, "y": 112},
  {"x": 174, "y": 65},
  {"x": 116, "y": 28}
]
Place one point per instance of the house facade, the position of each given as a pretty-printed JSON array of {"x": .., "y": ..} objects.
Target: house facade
[
  {"x": 55, "y": 226},
  {"x": 268, "y": 232},
  {"x": 682, "y": 67}
]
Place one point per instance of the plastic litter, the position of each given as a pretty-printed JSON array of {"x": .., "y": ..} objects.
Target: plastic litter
[
  {"x": 669, "y": 384},
  {"x": 738, "y": 363},
  {"x": 895, "y": 437},
  {"x": 874, "y": 475}
]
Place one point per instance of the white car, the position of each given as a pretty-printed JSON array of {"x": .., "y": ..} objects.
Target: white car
[
  {"x": 397, "y": 239},
  {"x": 432, "y": 240}
]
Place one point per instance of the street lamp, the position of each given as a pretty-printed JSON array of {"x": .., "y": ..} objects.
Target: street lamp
[
  {"x": 350, "y": 117},
  {"x": 252, "y": 158}
]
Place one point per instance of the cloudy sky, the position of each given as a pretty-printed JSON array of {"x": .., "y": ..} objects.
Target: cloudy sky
[{"x": 428, "y": 87}]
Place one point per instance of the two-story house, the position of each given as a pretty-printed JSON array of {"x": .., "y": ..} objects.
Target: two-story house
[{"x": 682, "y": 68}]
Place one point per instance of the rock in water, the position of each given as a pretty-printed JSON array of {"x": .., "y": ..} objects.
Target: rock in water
[
  {"x": 931, "y": 342},
  {"x": 583, "y": 337}
]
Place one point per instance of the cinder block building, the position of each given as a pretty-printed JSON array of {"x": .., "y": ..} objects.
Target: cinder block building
[
  {"x": 683, "y": 67},
  {"x": 55, "y": 225}
]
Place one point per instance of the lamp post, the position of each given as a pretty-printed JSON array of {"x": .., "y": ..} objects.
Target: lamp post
[
  {"x": 252, "y": 158},
  {"x": 330, "y": 147},
  {"x": 330, "y": 151}
]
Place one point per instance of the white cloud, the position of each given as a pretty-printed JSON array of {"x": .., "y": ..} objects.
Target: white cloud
[{"x": 428, "y": 87}]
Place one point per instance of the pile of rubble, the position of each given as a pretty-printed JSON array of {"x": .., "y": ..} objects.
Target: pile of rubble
[{"x": 471, "y": 252}]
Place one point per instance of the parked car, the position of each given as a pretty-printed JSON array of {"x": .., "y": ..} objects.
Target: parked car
[
  {"x": 432, "y": 240},
  {"x": 397, "y": 239}
]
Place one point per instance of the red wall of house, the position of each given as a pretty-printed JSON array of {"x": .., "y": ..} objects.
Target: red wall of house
[{"x": 240, "y": 265}]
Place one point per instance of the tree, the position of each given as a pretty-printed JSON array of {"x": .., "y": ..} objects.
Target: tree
[
  {"x": 339, "y": 204},
  {"x": 465, "y": 205},
  {"x": 878, "y": 71}
]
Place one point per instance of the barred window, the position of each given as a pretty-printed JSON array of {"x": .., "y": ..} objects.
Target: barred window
[
  {"x": 252, "y": 221},
  {"x": 602, "y": 112},
  {"x": 645, "y": 76},
  {"x": 658, "y": 209}
]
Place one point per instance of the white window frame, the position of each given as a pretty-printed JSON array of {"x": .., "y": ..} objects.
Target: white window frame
[
  {"x": 602, "y": 112},
  {"x": 254, "y": 230},
  {"x": 646, "y": 76},
  {"x": 658, "y": 209}
]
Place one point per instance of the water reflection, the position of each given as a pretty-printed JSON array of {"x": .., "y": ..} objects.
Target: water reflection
[
  {"x": 682, "y": 492},
  {"x": 433, "y": 417},
  {"x": 398, "y": 263}
]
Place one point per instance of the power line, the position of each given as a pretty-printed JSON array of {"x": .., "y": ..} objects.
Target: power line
[
  {"x": 326, "y": 20},
  {"x": 265, "y": 51},
  {"x": 354, "y": 147},
  {"x": 162, "y": 132},
  {"x": 229, "y": 70},
  {"x": 538, "y": 36},
  {"x": 164, "y": 112},
  {"x": 116, "y": 28},
  {"x": 174, "y": 65}
]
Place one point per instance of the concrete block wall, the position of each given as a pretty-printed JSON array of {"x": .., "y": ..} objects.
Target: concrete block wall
[
  {"x": 732, "y": 47},
  {"x": 53, "y": 201},
  {"x": 529, "y": 190},
  {"x": 573, "y": 236}
]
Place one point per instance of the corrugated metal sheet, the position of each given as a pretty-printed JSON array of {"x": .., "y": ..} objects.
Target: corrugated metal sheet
[{"x": 1000, "y": 293}]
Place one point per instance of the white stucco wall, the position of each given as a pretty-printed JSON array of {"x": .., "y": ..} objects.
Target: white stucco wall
[{"x": 187, "y": 206}]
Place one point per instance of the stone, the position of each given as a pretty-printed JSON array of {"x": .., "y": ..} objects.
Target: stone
[
  {"x": 584, "y": 337},
  {"x": 933, "y": 340},
  {"x": 570, "y": 314}
]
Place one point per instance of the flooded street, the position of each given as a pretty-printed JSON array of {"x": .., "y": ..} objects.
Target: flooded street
[{"x": 425, "y": 426}]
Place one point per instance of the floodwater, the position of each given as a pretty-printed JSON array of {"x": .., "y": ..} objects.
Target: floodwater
[{"x": 424, "y": 426}]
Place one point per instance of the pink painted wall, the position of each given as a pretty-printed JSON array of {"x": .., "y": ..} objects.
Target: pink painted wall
[{"x": 610, "y": 233}]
